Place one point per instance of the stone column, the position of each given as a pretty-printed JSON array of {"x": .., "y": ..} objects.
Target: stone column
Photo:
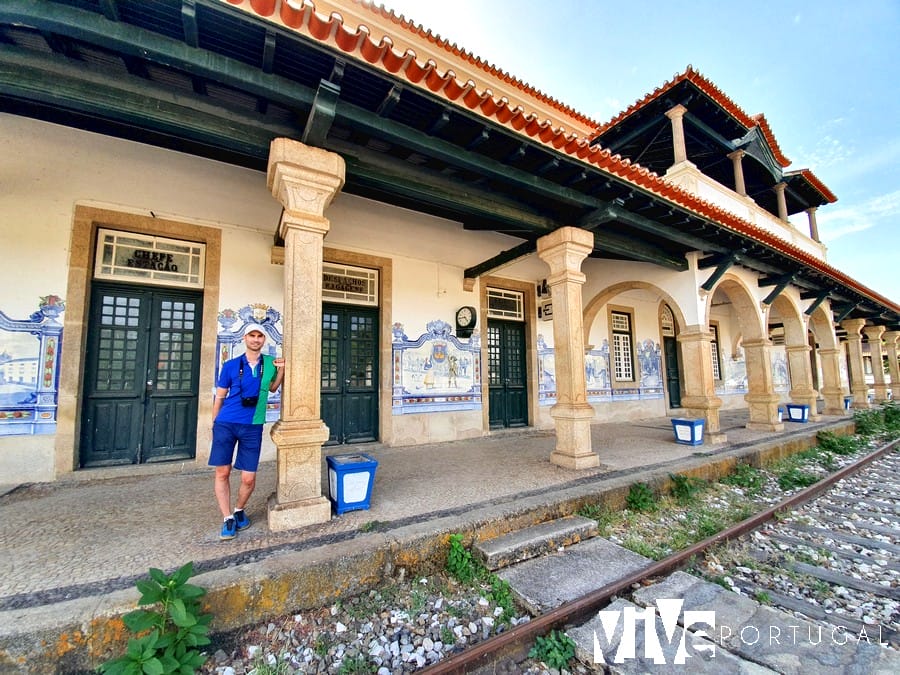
[
  {"x": 832, "y": 390},
  {"x": 800, "y": 368},
  {"x": 564, "y": 250},
  {"x": 858, "y": 386},
  {"x": 676, "y": 114},
  {"x": 699, "y": 387},
  {"x": 305, "y": 180},
  {"x": 761, "y": 399},
  {"x": 890, "y": 342},
  {"x": 739, "y": 185},
  {"x": 813, "y": 225},
  {"x": 782, "y": 201},
  {"x": 874, "y": 333}
]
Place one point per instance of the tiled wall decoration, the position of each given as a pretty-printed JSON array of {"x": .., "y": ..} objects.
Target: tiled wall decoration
[
  {"x": 597, "y": 374},
  {"x": 29, "y": 369},
  {"x": 230, "y": 341},
  {"x": 435, "y": 372}
]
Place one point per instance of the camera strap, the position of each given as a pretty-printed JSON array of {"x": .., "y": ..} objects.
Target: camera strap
[{"x": 241, "y": 372}]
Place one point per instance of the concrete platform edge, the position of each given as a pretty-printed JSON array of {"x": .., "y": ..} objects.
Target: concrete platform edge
[{"x": 78, "y": 635}]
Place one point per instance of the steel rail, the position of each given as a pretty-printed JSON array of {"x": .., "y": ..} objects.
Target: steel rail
[{"x": 581, "y": 609}]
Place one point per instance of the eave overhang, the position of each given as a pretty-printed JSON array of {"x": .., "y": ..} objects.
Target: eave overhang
[{"x": 222, "y": 82}]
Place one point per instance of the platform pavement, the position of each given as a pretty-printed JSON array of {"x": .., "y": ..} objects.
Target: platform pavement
[{"x": 77, "y": 545}]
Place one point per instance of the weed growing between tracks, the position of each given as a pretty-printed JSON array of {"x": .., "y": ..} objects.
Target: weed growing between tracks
[{"x": 659, "y": 526}]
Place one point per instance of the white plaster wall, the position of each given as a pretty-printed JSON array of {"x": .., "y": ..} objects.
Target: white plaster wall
[{"x": 45, "y": 169}]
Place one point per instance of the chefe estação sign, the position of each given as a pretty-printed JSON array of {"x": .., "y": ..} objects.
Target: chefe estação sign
[{"x": 152, "y": 260}]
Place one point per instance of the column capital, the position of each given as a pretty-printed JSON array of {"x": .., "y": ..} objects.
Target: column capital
[
  {"x": 874, "y": 332},
  {"x": 676, "y": 111},
  {"x": 890, "y": 336},
  {"x": 564, "y": 250},
  {"x": 737, "y": 155},
  {"x": 302, "y": 178},
  {"x": 853, "y": 326}
]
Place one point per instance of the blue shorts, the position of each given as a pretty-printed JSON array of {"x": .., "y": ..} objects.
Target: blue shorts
[{"x": 248, "y": 438}]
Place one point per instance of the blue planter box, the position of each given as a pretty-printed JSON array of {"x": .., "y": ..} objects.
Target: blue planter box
[
  {"x": 688, "y": 432},
  {"x": 798, "y": 413},
  {"x": 350, "y": 479}
]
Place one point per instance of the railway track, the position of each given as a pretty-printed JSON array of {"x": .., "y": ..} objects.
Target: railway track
[{"x": 824, "y": 563}]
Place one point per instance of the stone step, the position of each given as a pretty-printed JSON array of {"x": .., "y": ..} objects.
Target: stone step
[
  {"x": 544, "y": 583},
  {"x": 534, "y": 541}
]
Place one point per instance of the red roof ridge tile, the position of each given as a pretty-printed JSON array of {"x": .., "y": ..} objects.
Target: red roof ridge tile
[
  {"x": 823, "y": 190},
  {"x": 714, "y": 92},
  {"x": 490, "y": 69},
  {"x": 572, "y": 144}
]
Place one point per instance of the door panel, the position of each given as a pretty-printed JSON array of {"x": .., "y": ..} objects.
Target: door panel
[
  {"x": 172, "y": 398},
  {"x": 141, "y": 375},
  {"x": 349, "y": 399},
  {"x": 673, "y": 380},
  {"x": 507, "y": 379}
]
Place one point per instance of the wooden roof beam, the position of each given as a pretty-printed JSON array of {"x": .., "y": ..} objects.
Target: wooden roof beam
[{"x": 321, "y": 114}]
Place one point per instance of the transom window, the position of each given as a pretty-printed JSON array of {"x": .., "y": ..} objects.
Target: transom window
[{"x": 505, "y": 304}]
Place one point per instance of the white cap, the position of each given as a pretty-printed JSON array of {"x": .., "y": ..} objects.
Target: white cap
[{"x": 250, "y": 327}]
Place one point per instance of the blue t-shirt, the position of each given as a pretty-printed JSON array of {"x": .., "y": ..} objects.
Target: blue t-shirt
[{"x": 247, "y": 384}]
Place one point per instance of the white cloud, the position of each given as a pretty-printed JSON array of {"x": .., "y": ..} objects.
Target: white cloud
[{"x": 839, "y": 222}]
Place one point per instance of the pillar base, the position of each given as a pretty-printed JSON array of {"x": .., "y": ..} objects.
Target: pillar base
[
  {"x": 573, "y": 437},
  {"x": 291, "y": 515},
  {"x": 715, "y": 438}
]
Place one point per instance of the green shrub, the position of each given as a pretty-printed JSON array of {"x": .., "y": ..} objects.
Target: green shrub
[
  {"x": 837, "y": 445},
  {"x": 460, "y": 564},
  {"x": 686, "y": 488},
  {"x": 556, "y": 649},
  {"x": 745, "y": 476},
  {"x": 796, "y": 478},
  {"x": 171, "y": 633},
  {"x": 640, "y": 498},
  {"x": 869, "y": 422}
]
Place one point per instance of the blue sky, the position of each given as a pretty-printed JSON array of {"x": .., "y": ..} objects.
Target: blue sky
[{"x": 826, "y": 74}]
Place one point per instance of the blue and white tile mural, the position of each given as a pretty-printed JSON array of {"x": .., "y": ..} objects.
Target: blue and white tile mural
[
  {"x": 230, "y": 341},
  {"x": 435, "y": 372},
  {"x": 29, "y": 369},
  {"x": 597, "y": 374}
]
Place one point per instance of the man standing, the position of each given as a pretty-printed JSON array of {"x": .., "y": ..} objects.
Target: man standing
[{"x": 239, "y": 413}]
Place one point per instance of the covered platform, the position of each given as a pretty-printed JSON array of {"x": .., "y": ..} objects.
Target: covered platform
[{"x": 72, "y": 549}]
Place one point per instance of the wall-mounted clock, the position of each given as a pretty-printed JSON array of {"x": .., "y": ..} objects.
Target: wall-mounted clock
[{"x": 465, "y": 321}]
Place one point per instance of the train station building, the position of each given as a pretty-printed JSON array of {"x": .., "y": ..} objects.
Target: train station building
[{"x": 440, "y": 251}]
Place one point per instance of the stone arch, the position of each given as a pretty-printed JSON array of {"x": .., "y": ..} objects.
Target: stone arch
[
  {"x": 599, "y": 301},
  {"x": 821, "y": 324},
  {"x": 761, "y": 397},
  {"x": 798, "y": 350},
  {"x": 745, "y": 306}
]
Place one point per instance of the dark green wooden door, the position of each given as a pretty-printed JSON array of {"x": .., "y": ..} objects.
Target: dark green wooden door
[
  {"x": 350, "y": 373},
  {"x": 507, "y": 382},
  {"x": 141, "y": 375},
  {"x": 673, "y": 380}
]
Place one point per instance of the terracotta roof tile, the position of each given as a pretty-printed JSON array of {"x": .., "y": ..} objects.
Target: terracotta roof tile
[
  {"x": 360, "y": 42},
  {"x": 813, "y": 180},
  {"x": 716, "y": 94}
]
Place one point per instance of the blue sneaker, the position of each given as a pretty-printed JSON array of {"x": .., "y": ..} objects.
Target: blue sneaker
[
  {"x": 241, "y": 520},
  {"x": 229, "y": 529}
]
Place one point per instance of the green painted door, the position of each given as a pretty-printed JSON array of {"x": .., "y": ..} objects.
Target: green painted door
[
  {"x": 141, "y": 375},
  {"x": 507, "y": 380},
  {"x": 350, "y": 373},
  {"x": 673, "y": 380}
]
